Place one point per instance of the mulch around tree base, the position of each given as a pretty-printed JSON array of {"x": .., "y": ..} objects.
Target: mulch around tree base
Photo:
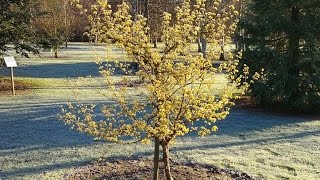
[{"x": 143, "y": 169}]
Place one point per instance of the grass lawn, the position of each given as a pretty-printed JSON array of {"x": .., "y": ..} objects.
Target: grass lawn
[{"x": 35, "y": 145}]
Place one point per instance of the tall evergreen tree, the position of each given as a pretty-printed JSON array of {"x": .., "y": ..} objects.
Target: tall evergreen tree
[
  {"x": 281, "y": 41},
  {"x": 15, "y": 29}
]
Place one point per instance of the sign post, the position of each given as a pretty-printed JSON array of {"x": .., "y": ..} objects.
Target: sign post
[{"x": 11, "y": 63}]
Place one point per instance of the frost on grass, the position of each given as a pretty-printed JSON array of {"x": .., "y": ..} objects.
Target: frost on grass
[{"x": 34, "y": 145}]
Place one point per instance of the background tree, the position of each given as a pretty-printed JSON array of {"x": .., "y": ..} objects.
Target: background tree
[
  {"x": 15, "y": 29},
  {"x": 69, "y": 22},
  {"x": 156, "y": 9},
  {"x": 179, "y": 95},
  {"x": 218, "y": 12},
  {"x": 56, "y": 24},
  {"x": 282, "y": 40}
]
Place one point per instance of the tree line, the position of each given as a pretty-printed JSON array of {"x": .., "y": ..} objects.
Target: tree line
[
  {"x": 33, "y": 24},
  {"x": 279, "y": 39}
]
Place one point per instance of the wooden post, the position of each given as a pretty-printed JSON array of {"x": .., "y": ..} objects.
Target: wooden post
[
  {"x": 10, "y": 63},
  {"x": 12, "y": 82}
]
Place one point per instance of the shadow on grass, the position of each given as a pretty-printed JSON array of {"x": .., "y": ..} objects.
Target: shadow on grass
[
  {"x": 241, "y": 121},
  {"x": 55, "y": 70},
  {"x": 246, "y": 142},
  {"x": 35, "y": 126},
  {"x": 42, "y": 169},
  {"x": 143, "y": 154}
]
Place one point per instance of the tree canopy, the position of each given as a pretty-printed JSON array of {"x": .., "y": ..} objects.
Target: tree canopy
[
  {"x": 281, "y": 41},
  {"x": 15, "y": 25},
  {"x": 178, "y": 90},
  {"x": 56, "y": 23}
]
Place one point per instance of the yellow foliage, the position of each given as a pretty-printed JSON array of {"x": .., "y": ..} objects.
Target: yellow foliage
[{"x": 180, "y": 86}]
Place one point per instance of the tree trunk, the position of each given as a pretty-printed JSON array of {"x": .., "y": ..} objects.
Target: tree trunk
[
  {"x": 222, "y": 53},
  {"x": 293, "y": 55},
  {"x": 146, "y": 15},
  {"x": 204, "y": 46},
  {"x": 155, "y": 42},
  {"x": 134, "y": 9},
  {"x": 294, "y": 38},
  {"x": 146, "y": 10},
  {"x": 55, "y": 53},
  {"x": 66, "y": 44},
  {"x": 96, "y": 40},
  {"x": 166, "y": 160},
  {"x": 199, "y": 45},
  {"x": 156, "y": 159}
]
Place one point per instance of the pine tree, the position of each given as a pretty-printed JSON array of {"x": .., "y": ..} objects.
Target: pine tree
[
  {"x": 15, "y": 29},
  {"x": 280, "y": 41}
]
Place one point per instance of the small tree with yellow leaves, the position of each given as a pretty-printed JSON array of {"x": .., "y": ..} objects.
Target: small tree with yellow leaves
[{"x": 179, "y": 88}]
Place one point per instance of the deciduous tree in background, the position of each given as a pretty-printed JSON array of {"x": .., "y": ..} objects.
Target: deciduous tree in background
[
  {"x": 179, "y": 94},
  {"x": 56, "y": 24}
]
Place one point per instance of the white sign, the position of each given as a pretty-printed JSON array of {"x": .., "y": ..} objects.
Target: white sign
[{"x": 10, "y": 61}]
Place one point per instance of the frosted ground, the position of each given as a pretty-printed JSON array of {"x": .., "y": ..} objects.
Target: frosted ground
[{"x": 35, "y": 145}]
